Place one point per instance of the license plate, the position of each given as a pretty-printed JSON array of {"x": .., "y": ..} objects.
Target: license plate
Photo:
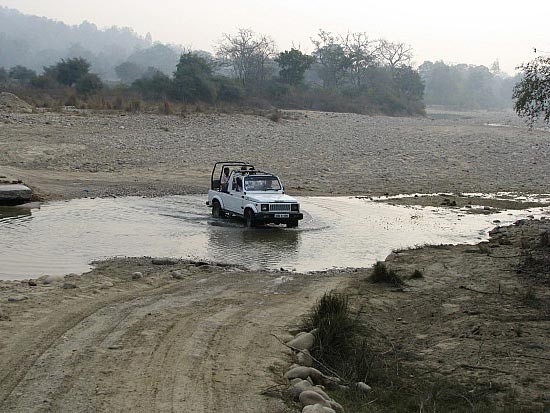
[{"x": 281, "y": 215}]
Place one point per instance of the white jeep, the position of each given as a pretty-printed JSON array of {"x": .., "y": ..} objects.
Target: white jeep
[{"x": 256, "y": 196}]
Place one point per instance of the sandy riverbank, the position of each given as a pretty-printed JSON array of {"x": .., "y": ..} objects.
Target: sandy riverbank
[
  {"x": 81, "y": 154},
  {"x": 188, "y": 337}
]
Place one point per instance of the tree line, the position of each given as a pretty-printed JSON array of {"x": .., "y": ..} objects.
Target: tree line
[
  {"x": 350, "y": 72},
  {"x": 464, "y": 86}
]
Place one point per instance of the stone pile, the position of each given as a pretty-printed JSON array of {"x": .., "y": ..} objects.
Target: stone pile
[{"x": 307, "y": 384}]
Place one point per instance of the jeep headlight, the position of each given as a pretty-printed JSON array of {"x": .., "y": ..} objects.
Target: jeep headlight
[
  {"x": 265, "y": 207},
  {"x": 295, "y": 207}
]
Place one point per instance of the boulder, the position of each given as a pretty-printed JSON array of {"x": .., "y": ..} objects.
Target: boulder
[
  {"x": 310, "y": 397},
  {"x": 303, "y": 341},
  {"x": 337, "y": 407},
  {"x": 14, "y": 194},
  {"x": 304, "y": 358},
  {"x": 297, "y": 388},
  {"x": 317, "y": 408},
  {"x": 299, "y": 372}
]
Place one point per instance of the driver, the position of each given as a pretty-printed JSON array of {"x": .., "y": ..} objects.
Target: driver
[{"x": 239, "y": 184}]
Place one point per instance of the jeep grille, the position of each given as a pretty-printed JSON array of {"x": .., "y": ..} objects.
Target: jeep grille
[{"x": 279, "y": 207}]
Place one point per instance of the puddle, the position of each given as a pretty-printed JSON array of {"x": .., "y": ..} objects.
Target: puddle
[{"x": 64, "y": 237}]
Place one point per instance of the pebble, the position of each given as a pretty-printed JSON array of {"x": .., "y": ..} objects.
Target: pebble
[
  {"x": 137, "y": 275},
  {"x": 365, "y": 388}
]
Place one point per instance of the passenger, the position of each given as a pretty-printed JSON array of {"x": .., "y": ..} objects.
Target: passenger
[
  {"x": 225, "y": 180},
  {"x": 239, "y": 184}
]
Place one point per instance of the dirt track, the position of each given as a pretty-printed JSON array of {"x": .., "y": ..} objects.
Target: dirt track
[{"x": 201, "y": 344}]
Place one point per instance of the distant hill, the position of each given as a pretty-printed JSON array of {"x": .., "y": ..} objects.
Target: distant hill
[{"x": 36, "y": 42}]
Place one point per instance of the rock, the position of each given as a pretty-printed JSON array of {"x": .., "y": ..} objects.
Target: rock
[
  {"x": 69, "y": 286},
  {"x": 310, "y": 397},
  {"x": 17, "y": 298},
  {"x": 304, "y": 358},
  {"x": 14, "y": 194},
  {"x": 297, "y": 388},
  {"x": 51, "y": 279},
  {"x": 302, "y": 342},
  {"x": 317, "y": 408},
  {"x": 337, "y": 407},
  {"x": 32, "y": 283},
  {"x": 320, "y": 391},
  {"x": 137, "y": 275},
  {"x": 4, "y": 317},
  {"x": 164, "y": 261},
  {"x": 115, "y": 347},
  {"x": 178, "y": 275},
  {"x": 363, "y": 387},
  {"x": 318, "y": 378},
  {"x": 299, "y": 372}
]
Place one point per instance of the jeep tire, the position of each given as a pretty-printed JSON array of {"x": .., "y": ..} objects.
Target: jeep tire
[
  {"x": 250, "y": 218},
  {"x": 217, "y": 211}
]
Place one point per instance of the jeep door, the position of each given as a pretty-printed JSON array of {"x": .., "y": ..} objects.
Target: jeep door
[{"x": 234, "y": 200}]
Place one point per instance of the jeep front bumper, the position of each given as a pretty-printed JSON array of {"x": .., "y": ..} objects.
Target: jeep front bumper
[{"x": 271, "y": 218}]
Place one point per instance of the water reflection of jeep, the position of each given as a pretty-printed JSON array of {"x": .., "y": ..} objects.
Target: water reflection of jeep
[{"x": 256, "y": 196}]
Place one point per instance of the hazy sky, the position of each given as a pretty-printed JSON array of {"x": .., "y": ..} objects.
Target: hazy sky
[{"x": 467, "y": 31}]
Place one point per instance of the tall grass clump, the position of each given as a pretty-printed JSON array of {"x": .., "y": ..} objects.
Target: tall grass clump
[
  {"x": 337, "y": 333},
  {"x": 381, "y": 274}
]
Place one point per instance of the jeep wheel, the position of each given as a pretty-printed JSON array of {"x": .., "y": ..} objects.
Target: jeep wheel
[
  {"x": 250, "y": 218},
  {"x": 217, "y": 211},
  {"x": 292, "y": 224}
]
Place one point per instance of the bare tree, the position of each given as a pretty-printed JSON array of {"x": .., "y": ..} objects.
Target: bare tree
[
  {"x": 332, "y": 57},
  {"x": 247, "y": 54},
  {"x": 362, "y": 53},
  {"x": 394, "y": 54}
]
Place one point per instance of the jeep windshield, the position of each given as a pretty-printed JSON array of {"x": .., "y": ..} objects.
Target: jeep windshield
[{"x": 262, "y": 183}]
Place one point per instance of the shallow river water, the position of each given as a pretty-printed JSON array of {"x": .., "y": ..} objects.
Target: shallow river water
[{"x": 65, "y": 237}]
